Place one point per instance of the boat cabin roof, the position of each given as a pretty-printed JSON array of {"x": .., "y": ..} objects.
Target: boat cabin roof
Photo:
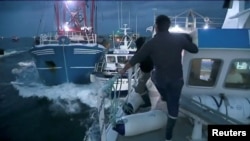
[{"x": 222, "y": 38}]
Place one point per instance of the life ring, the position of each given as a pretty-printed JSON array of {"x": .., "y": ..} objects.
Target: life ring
[{"x": 63, "y": 40}]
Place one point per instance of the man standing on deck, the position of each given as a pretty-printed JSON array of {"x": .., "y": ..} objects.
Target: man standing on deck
[
  {"x": 146, "y": 66},
  {"x": 165, "y": 50}
]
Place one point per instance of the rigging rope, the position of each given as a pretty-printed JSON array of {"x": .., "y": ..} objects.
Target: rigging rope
[
  {"x": 41, "y": 18},
  {"x": 106, "y": 93}
]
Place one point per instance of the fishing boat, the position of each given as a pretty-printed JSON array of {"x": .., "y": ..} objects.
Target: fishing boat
[
  {"x": 68, "y": 55},
  {"x": 114, "y": 60},
  {"x": 208, "y": 97}
]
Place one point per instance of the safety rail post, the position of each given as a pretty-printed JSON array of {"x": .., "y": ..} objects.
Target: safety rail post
[
  {"x": 132, "y": 76},
  {"x": 130, "y": 71},
  {"x": 95, "y": 37}
]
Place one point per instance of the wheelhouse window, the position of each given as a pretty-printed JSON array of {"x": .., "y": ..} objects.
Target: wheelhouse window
[
  {"x": 204, "y": 72},
  {"x": 238, "y": 74},
  {"x": 121, "y": 59},
  {"x": 110, "y": 59}
]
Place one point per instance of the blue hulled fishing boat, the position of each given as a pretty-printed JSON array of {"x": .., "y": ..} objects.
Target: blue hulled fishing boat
[{"x": 69, "y": 54}]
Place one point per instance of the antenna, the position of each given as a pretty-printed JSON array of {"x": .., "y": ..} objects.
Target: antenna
[
  {"x": 129, "y": 17},
  {"x": 118, "y": 7},
  {"x": 96, "y": 26},
  {"x": 154, "y": 30},
  {"x": 121, "y": 14},
  {"x": 154, "y": 9},
  {"x": 113, "y": 39},
  {"x": 136, "y": 25}
]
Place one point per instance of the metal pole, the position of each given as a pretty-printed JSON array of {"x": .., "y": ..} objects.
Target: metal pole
[{"x": 154, "y": 9}]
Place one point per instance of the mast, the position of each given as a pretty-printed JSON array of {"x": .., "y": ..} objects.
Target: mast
[
  {"x": 121, "y": 14},
  {"x": 84, "y": 13},
  {"x": 92, "y": 14},
  {"x": 129, "y": 17},
  {"x": 153, "y": 28},
  {"x": 125, "y": 28},
  {"x": 71, "y": 16},
  {"x": 64, "y": 15},
  {"x": 56, "y": 8},
  {"x": 95, "y": 29},
  {"x": 113, "y": 39},
  {"x": 119, "y": 24},
  {"x": 136, "y": 25}
]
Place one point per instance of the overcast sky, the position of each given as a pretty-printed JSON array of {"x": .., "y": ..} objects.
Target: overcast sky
[{"x": 30, "y": 18}]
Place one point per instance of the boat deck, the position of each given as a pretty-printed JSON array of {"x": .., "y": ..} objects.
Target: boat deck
[{"x": 191, "y": 124}]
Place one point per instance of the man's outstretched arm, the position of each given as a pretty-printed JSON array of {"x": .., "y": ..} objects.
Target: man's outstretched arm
[{"x": 125, "y": 68}]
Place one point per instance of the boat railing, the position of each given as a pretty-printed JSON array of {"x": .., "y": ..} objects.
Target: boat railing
[
  {"x": 105, "y": 92},
  {"x": 48, "y": 39},
  {"x": 133, "y": 74},
  {"x": 79, "y": 37},
  {"x": 74, "y": 37},
  {"x": 99, "y": 66}
]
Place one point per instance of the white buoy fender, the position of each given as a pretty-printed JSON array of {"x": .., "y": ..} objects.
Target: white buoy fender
[
  {"x": 134, "y": 102},
  {"x": 154, "y": 95},
  {"x": 135, "y": 124}
]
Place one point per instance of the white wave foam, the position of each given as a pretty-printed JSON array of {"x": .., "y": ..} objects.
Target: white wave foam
[
  {"x": 26, "y": 73},
  {"x": 67, "y": 97},
  {"x": 10, "y": 52},
  {"x": 28, "y": 85},
  {"x": 87, "y": 94},
  {"x": 26, "y": 64}
]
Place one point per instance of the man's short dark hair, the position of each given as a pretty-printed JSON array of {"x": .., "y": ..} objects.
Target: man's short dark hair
[{"x": 163, "y": 22}]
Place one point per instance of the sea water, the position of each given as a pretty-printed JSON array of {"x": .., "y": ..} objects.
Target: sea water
[{"x": 31, "y": 111}]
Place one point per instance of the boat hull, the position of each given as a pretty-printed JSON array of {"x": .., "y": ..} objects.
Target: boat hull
[{"x": 57, "y": 64}]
